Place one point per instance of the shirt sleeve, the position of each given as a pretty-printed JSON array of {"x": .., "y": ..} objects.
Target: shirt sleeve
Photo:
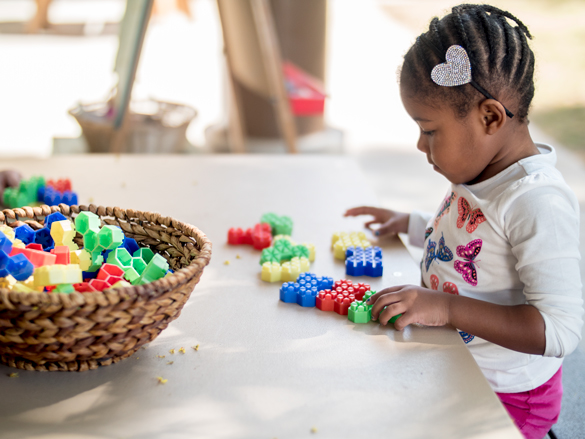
[
  {"x": 542, "y": 226},
  {"x": 416, "y": 227}
]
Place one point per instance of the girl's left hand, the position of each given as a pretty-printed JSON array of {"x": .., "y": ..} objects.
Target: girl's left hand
[{"x": 416, "y": 304}]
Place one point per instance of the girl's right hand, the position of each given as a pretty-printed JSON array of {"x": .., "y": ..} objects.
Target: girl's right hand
[{"x": 392, "y": 222}]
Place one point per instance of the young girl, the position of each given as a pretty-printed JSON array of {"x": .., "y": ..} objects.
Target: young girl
[{"x": 501, "y": 260}]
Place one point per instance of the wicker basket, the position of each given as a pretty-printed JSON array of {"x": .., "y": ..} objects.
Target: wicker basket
[{"x": 81, "y": 331}]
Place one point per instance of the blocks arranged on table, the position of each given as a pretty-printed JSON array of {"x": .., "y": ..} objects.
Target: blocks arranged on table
[
  {"x": 304, "y": 291},
  {"x": 359, "y": 312},
  {"x": 35, "y": 190},
  {"x": 260, "y": 236},
  {"x": 340, "y": 241},
  {"x": 364, "y": 262},
  {"x": 280, "y": 225},
  {"x": 340, "y": 296}
]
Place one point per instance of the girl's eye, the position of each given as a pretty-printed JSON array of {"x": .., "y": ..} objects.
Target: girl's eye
[{"x": 427, "y": 133}]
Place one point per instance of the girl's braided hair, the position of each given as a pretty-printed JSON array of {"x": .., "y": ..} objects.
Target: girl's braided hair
[{"x": 501, "y": 61}]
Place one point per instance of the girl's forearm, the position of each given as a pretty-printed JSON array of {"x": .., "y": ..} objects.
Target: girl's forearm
[{"x": 520, "y": 327}]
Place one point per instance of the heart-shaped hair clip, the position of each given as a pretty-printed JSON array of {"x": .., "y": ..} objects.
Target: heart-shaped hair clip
[{"x": 457, "y": 71}]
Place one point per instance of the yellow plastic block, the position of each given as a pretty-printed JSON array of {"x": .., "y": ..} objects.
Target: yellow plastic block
[
  {"x": 57, "y": 274},
  {"x": 81, "y": 257},
  {"x": 271, "y": 272},
  {"x": 18, "y": 243},
  {"x": 311, "y": 248},
  {"x": 121, "y": 284},
  {"x": 22, "y": 288},
  {"x": 291, "y": 270},
  {"x": 342, "y": 240},
  {"x": 8, "y": 231},
  {"x": 7, "y": 282},
  {"x": 63, "y": 233}
]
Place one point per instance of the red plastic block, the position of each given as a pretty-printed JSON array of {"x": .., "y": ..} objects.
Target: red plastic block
[
  {"x": 260, "y": 236},
  {"x": 35, "y": 246},
  {"x": 360, "y": 290},
  {"x": 83, "y": 287},
  {"x": 110, "y": 274},
  {"x": 36, "y": 257},
  {"x": 61, "y": 185},
  {"x": 325, "y": 300},
  {"x": 235, "y": 236},
  {"x": 345, "y": 295},
  {"x": 63, "y": 255},
  {"x": 98, "y": 284}
]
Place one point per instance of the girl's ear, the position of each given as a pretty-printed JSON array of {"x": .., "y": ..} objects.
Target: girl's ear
[{"x": 493, "y": 115}]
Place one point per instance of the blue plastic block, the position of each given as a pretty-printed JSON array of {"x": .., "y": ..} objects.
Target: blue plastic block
[
  {"x": 89, "y": 274},
  {"x": 25, "y": 233},
  {"x": 321, "y": 282},
  {"x": 20, "y": 267},
  {"x": 354, "y": 266},
  {"x": 4, "y": 259},
  {"x": 307, "y": 295},
  {"x": 364, "y": 262},
  {"x": 41, "y": 193},
  {"x": 52, "y": 197},
  {"x": 288, "y": 292},
  {"x": 130, "y": 244},
  {"x": 5, "y": 244},
  {"x": 55, "y": 216},
  {"x": 43, "y": 237},
  {"x": 105, "y": 254}
]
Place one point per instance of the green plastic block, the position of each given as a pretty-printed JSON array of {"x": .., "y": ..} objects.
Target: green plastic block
[
  {"x": 285, "y": 249},
  {"x": 131, "y": 275},
  {"x": 393, "y": 319},
  {"x": 9, "y": 197},
  {"x": 300, "y": 251},
  {"x": 86, "y": 221},
  {"x": 120, "y": 257},
  {"x": 359, "y": 312},
  {"x": 368, "y": 295},
  {"x": 145, "y": 253},
  {"x": 270, "y": 254},
  {"x": 281, "y": 225},
  {"x": 96, "y": 261},
  {"x": 64, "y": 288},
  {"x": 156, "y": 269},
  {"x": 91, "y": 241},
  {"x": 110, "y": 237},
  {"x": 139, "y": 265}
]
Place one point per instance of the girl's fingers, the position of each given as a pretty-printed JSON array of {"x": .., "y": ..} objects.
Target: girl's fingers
[
  {"x": 369, "y": 224},
  {"x": 376, "y": 296},
  {"x": 390, "y": 311},
  {"x": 361, "y": 210},
  {"x": 383, "y": 301},
  {"x": 387, "y": 229}
]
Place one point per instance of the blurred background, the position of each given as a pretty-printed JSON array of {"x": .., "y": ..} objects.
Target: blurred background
[{"x": 61, "y": 61}]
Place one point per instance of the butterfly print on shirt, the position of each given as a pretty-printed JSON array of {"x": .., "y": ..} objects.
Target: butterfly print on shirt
[
  {"x": 467, "y": 268},
  {"x": 428, "y": 232},
  {"x": 466, "y": 212},
  {"x": 442, "y": 254},
  {"x": 445, "y": 207}
]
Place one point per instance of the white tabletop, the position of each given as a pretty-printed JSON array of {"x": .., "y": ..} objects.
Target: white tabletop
[{"x": 264, "y": 369}]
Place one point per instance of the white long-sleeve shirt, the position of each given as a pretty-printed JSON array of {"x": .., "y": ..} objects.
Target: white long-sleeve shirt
[{"x": 512, "y": 239}]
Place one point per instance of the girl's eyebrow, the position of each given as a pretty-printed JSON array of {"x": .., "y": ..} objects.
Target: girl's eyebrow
[{"x": 420, "y": 119}]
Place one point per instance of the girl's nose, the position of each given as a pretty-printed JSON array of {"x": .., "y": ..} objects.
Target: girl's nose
[{"x": 422, "y": 144}]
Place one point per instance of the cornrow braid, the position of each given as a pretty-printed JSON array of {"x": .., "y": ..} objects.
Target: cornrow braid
[{"x": 501, "y": 59}]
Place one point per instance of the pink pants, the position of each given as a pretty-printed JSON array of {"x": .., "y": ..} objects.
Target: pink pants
[{"x": 534, "y": 412}]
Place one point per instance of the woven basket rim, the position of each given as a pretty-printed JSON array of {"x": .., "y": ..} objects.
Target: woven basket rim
[{"x": 109, "y": 295}]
